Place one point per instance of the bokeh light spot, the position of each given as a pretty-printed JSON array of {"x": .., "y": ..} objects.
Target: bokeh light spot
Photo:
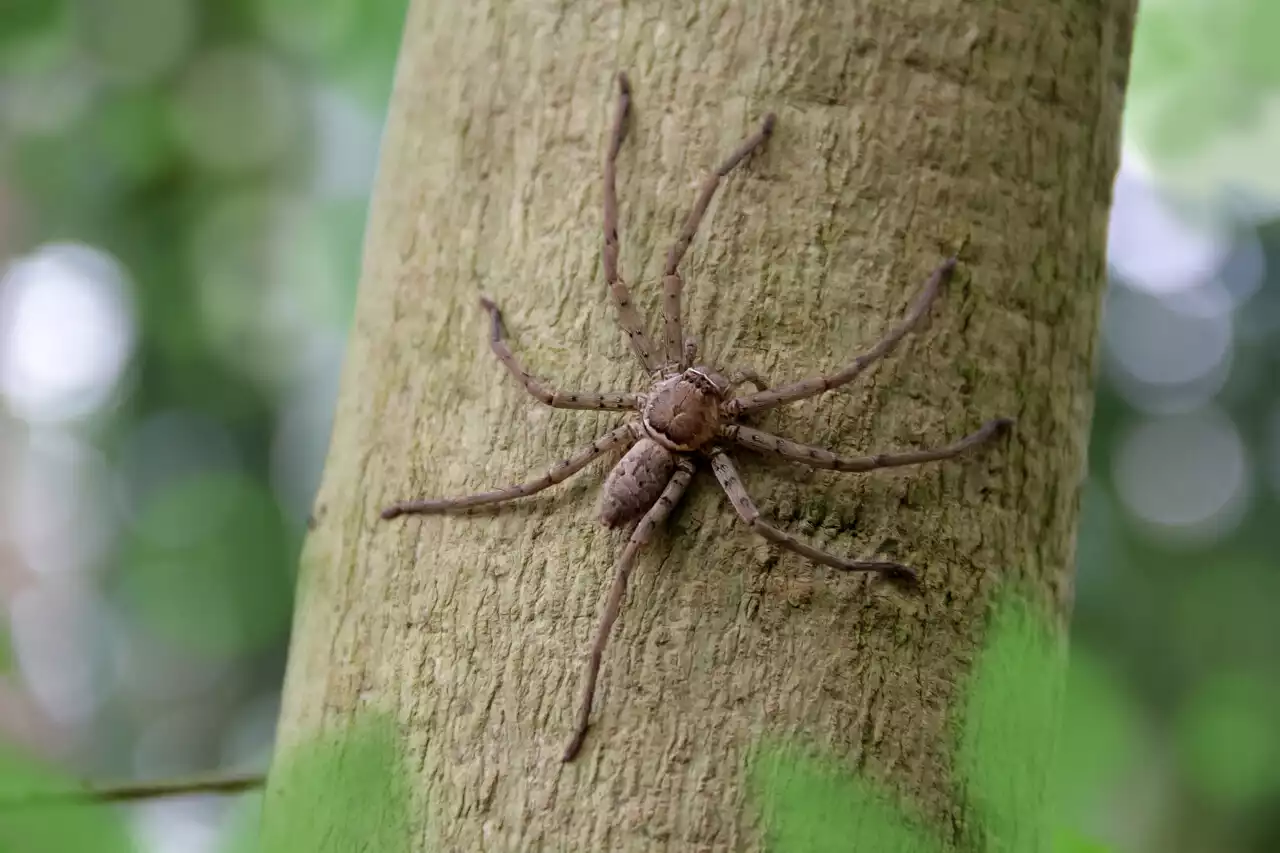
[
  {"x": 1169, "y": 340},
  {"x": 1149, "y": 245},
  {"x": 48, "y": 622},
  {"x": 55, "y": 482},
  {"x": 1186, "y": 474},
  {"x": 66, "y": 332}
]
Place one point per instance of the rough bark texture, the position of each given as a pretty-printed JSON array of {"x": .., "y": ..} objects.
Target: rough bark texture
[{"x": 903, "y": 127}]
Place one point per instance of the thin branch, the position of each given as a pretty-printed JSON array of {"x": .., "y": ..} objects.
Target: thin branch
[{"x": 126, "y": 792}]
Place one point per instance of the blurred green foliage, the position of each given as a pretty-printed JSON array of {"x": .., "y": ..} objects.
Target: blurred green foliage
[
  {"x": 810, "y": 804},
  {"x": 53, "y": 827},
  {"x": 1200, "y": 68},
  {"x": 188, "y": 139},
  {"x": 333, "y": 793},
  {"x": 339, "y": 792},
  {"x": 1009, "y": 727},
  {"x": 210, "y": 566},
  {"x": 1098, "y": 742},
  {"x": 1005, "y": 768},
  {"x": 1228, "y": 737}
]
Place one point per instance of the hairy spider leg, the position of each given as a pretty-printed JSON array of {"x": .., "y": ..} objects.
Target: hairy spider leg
[
  {"x": 628, "y": 316},
  {"x": 652, "y": 519},
  {"x": 809, "y": 387},
  {"x": 727, "y": 473},
  {"x": 601, "y": 401},
  {"x": 817, "y": 457},
  {"x": 561, "y": 471},
  {"x": 672, "y": 283}
]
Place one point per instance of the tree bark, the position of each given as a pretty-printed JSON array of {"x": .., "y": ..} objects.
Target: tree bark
[{"x": 903, "y": 129}]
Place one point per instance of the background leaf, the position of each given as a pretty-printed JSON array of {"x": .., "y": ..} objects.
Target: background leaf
[
  {"x": 1011, "y": 713},
  {"x": 340, "y": 792},
  {"x": 70, "y": 826},
  {"x": 813, "y": 806}
]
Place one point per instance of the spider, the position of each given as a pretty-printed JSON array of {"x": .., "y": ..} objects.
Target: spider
[{"x": 688, "y": 413}]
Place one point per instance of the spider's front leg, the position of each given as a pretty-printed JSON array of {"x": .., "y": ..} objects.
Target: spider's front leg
[
  {"x": 628, "y": 317},
  {"x": 818, "y": 457},
  {"x": 762, "y": 400},
  {"x": 652, "y": 519},
  {"x": 614, "y": 401},
  {"x": 672, "y": 283}
]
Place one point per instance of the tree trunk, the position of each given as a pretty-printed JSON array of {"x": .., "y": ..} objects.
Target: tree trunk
[{"x": 904, "y": 128}]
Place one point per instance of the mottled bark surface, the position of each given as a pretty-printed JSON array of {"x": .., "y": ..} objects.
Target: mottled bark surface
[{"x": 903, "y": 127}]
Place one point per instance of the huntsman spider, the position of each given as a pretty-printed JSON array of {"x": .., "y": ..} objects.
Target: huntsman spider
[{"x": 690, "y": 412}]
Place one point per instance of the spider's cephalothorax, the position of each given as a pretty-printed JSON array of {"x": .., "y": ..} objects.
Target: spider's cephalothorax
[
  {"x": 688, "y": 414},
  {"x": 680, "y": 415}
]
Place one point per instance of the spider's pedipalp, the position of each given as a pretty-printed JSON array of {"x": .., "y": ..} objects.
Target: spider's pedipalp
[
  {"x": 690, "y": 349},
  {"x": 727, "y": 473},
  {"x": 809, "y": 387},
  {"x": 652, "y": 519},
  {"x": 817, "y": 457},
  {"x": 561, "y": 471},
  {"x": 609, "y": 401}
]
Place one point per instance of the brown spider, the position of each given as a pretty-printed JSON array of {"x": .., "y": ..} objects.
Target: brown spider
[{"x": 687, "y": 413}]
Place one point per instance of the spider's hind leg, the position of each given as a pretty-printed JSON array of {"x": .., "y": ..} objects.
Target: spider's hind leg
[
  {"x": 652, "y": 519},
  {"x": 727, "y": 473},
  {"x": 558, "y": 473}
]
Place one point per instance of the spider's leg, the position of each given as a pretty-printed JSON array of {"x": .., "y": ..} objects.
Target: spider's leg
[
  {"x": 628, "y": 316},
  {"x": 672, "y": 284},
  {"x": 727, "y": 473},
  {"x": 559, "y": 472},
  {"x": 550, "y": 396},
  {"x": 656, "y": 515},
  {"x": 809, "y": 387},
  {"x": 747, "y": 374},
  {"x": 817, "y": 457}
]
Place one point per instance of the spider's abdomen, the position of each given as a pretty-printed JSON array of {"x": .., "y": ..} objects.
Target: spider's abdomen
[{"x": 636, "y": 482}]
